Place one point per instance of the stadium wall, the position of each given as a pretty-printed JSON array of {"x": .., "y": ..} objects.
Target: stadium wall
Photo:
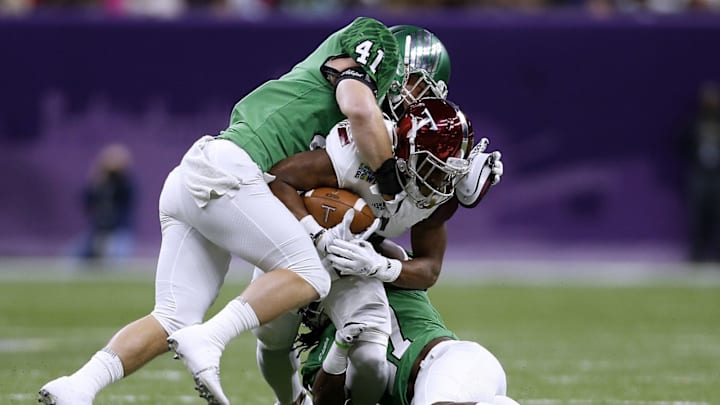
[{"x": 588, "y": 112}]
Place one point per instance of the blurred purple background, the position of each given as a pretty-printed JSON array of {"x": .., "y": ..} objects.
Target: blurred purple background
[{"x": 588, "y": 112}]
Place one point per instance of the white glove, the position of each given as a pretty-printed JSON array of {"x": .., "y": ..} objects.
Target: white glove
[
  {"x": 496, "y": 166},
  {"x": 358, "y": 258},
  {"x": 492, "y": 160},
  {"x": 485, "y": 171},
  {"x": 324, "y": 237}
]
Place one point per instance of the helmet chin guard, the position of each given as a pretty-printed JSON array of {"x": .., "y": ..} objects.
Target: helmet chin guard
[{"x": 434, "y": 137}]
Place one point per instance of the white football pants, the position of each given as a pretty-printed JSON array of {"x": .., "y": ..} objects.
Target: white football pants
[
  {"x": 361, "y": 300},
  {"x": 459, "y": 371},
  {"x": 351, "y": 299},
  {"x": 234, "y": 213}
]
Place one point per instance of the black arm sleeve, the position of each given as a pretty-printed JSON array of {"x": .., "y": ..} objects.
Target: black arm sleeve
[
  {"x": 387, "y": 179},
  {"x": 357, "y": 73}
]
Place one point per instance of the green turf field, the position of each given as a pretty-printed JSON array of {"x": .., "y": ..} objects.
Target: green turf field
[{"x": 561, "y": 343}]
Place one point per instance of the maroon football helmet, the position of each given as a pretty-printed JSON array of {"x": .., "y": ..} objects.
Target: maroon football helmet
[{"x": 434, "y": 139}]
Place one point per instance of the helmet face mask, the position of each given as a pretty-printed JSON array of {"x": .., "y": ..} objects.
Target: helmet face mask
[
  {"x": 415, "y": 86},
  {"x": 434, "y": 139},
  {"x": 424, "y": 69}
]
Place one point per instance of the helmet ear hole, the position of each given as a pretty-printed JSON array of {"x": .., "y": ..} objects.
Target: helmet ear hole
[{"x": 401, "y": 166}]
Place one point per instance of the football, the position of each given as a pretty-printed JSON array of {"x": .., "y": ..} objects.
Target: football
[{"x": 328, "y": 206}]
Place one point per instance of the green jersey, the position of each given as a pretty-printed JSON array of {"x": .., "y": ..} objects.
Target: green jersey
[
  {"x": 415, "y": 322},
  {"x": 280, "y": 118}
]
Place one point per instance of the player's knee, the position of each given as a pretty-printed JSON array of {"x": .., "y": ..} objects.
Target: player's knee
[
  {"x": 271, "y": 343},
  {"x": 369, "y": 357},
  {"x": 171, "y": 322},
  {"x": 319, "y": 279},
  {"x": 370, "y": 364}
]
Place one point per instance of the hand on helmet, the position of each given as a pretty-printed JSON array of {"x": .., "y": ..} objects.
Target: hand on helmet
[{"x": 358, "y": 258}]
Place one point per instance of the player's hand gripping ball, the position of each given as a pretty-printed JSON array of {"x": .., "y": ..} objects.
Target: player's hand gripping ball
[{"x": 328, "y": 206}]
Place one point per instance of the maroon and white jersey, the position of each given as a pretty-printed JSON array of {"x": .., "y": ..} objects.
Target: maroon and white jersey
[{"x": 352, "y": 174}]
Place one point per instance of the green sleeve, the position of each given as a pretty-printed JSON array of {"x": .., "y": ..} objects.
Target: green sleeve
[{"x": 373, "y": 47}]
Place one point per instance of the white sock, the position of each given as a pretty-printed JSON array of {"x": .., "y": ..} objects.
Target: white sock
[
  {"x": 236, "y": 318},
  {"x": 337, "y": 358},
  {"x": 103, "y": 369}
]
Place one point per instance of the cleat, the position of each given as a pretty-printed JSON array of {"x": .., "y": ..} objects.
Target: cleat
[
  {"x": 61, "y": 392},
  {"x": 44, "y": 397},
  {"x": 207, "y": 383},
  {"x": 202, "y": 358}
]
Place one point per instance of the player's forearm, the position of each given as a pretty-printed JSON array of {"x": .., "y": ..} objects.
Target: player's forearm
[
  {"x": 290, "y": 197},
  {"x": 418, "y": 274},
  {"x": 371, "y": 139},
  {"x": 358, "y": 104},
  {"x": 301, "y": 172}
]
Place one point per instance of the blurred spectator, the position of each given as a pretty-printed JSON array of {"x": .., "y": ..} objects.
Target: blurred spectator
[
  {"x": 703, "y": 152},
  {"x": 11, "y": 7},
  {"x": 154, "y": 8},
  {"x": 261, "y": 8},
  {"x": 108, "y": 201}
]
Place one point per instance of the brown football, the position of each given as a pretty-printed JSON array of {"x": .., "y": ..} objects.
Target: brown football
[{"x": 328, "y": 205}]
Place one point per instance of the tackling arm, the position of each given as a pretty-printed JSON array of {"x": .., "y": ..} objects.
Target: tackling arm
[
  {"x": 356, "y": 99},
  {"x": 358, "y": 103}
]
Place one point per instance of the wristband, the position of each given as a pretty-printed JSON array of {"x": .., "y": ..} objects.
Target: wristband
[
  {"x": 392, "y": 272},
  {"x": 312, "y": 227}
]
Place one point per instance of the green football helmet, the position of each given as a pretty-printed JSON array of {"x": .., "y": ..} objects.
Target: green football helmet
[{"x": 424, "y": 69}]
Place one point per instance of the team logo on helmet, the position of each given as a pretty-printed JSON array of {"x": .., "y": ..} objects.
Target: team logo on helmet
[{"x": 434, "y": 139}]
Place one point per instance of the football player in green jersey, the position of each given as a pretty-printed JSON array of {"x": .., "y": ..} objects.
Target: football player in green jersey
[
  {"x": 216, "y": 204},
  {"x": 429, "y": 364},
  {"x": 428, "y": 67}
]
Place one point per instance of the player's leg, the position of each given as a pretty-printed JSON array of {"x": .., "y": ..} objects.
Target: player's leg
[
  {"x": 367, "y": 373},
  {"x": 277, "y": 360},
  {"x": 459, "y": 371},
  {"x": 360, "y": 303},
  {"x": 253, "y": 224},
  {"x": 264, "y": 242},
  {"x": 189, "y": 273}
]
